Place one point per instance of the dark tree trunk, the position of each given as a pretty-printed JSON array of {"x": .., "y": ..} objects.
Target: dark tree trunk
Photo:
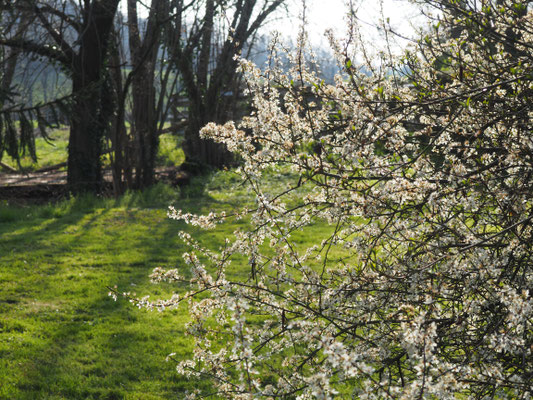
[
  {"x": 86, "y": 134},
  {"x": 145, "y": 126},
  {"x": 87, "y": 121},
  {"x": 122, "y": 174},
  {"x": 8, "y": 73},
  {"x": 144, "y": 55},
  {"x": 11, "y": 58}
]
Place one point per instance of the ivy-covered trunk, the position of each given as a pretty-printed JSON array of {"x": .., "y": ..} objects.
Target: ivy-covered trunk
[
  {"x": 145, "y": 126},
  {"x": 86, "y": 133}
]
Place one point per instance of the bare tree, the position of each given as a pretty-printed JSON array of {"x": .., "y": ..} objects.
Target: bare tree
[
  {"x": 76, "y": 37},
  {"x": 214, "y": 36},
  {"x": 16, "y": 132},
  {"x": 135, "y": 151}
]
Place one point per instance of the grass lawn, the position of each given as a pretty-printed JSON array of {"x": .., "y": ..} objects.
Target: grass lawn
[
  {"x": 55, "y": 151},
  {"x": 61, "y": 336},
  {"x": 49, "y": 152}
]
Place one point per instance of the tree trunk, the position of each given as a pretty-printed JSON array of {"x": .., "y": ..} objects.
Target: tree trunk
[
  {"x": 122, "y": 176},
  {"x": 88, "y": 123},
  {"x": 86, "y": 133},
  {"x": 144, "y": 125},
  {"x": 11, "y": 59},
  {"x": 8, "y": 72},
  {"x": 201, "y": 153}
]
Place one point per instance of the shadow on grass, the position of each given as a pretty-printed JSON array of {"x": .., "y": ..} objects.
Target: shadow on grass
[
  {"x": 105, "y": 351},
  {"x": 72, "y": 340}
]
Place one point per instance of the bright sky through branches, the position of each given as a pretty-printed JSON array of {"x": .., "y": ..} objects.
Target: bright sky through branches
[
  {"x": 332, "y": 14},
  {"x": 321, "y": 15}
]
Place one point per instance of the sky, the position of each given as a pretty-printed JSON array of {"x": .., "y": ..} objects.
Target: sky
[
  {"x": 331, "y": 14},
  {"x": 321, "y": 15}
]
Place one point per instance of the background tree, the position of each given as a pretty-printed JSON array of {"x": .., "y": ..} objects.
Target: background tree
[
  {"x": 421, "y": 284},
  {"x": 19, "y": 23},
  {"x": 135, "y": 151},
  {"x": 206, "y": 61},
  {"x": 200, "y": 42},
  {"x": 16, "y": 132},
  {"x": 77, "y": 39}
]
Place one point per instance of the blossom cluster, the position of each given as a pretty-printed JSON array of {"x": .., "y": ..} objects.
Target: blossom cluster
[{"x": 421, "y": 175}]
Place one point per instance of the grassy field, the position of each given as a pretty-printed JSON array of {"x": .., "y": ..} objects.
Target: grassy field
[
  {"x": 55, "y": 151},
  {"x": 61, "y": 336}
]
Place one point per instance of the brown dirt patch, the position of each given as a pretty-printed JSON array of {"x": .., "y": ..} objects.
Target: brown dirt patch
[{"x": 43, "y": 187}]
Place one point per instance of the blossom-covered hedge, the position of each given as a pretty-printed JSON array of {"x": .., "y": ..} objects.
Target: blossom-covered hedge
[{"x": 423, "y": 170}]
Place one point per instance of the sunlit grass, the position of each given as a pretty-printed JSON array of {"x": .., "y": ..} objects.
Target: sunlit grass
[
  {"x": 61, "y": 335},
  {"x": 54, "y": 151},
  {"x": 49, "y": 152}
]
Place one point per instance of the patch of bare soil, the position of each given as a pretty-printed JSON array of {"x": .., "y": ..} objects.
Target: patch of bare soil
[
  {"x": 33, "y": 187},
  {"x": 42, "y": 187}
]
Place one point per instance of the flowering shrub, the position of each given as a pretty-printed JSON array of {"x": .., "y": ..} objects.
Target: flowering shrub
[{"x": 422, "y": 176}]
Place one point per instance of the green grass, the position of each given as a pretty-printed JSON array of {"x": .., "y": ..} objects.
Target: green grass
[
  {"x": 55, "y": 151},
  {"x": 49, "y": 153},
  {"x": 61, "y": 336}
]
